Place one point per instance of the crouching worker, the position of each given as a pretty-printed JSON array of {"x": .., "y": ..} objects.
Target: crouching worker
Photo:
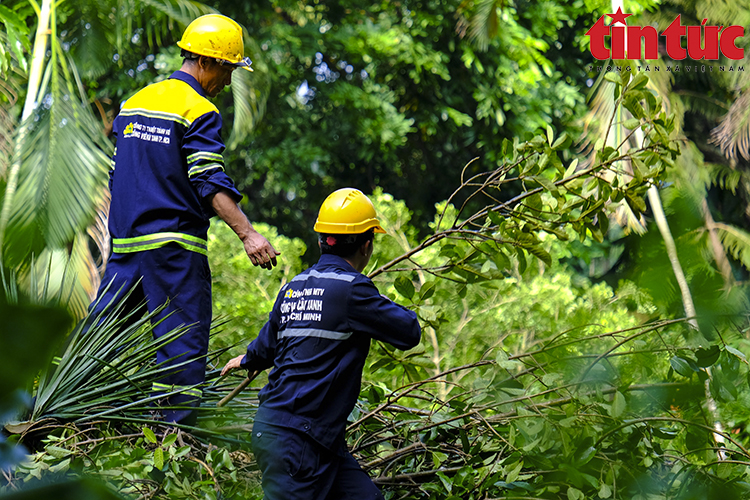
[{"x": 317, "y": 338}]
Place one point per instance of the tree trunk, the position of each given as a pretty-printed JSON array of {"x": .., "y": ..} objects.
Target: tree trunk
[{"x": 687, "y": 301}]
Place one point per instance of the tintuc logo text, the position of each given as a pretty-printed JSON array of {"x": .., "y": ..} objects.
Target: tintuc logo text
[{"x": 715, "y": 39}]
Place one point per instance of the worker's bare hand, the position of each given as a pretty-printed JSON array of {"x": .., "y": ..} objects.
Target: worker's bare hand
[
  {"x": 232, "y": 364},
  {"x": 260, "y": 251}
]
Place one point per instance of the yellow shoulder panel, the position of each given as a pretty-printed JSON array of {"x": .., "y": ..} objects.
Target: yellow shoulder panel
[{"x": 172, "y": 100}]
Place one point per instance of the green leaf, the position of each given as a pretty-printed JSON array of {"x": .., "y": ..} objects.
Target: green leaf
[
  {"x": 562, "y": 142},
  {"x": 639, "y": 82},
  {"x": 404, "y": 286},
  {"x": 447, "y": 483},
  {"x": 78, "y": 489},
  {"x": 169, "y": 440},
  {"x": 10, "y": 18},
  {"x": 380, "y": 363},
  {"x": 612, "y": 77},
  {"x": 159, "y": 458},
  {"x": 636, "y": 202},
  {"x": 495, "y": 218},
  {"x": 545, "y": 183},
  {"x": 540, "y": 253},
  {"x": 509, "y": 383},
  {"x": 149, "y": 435},
  {"x": 575, "y": 494},
  {"x": 618, "y": 405},
  {"x": 631, "y": 123},
  {"x": 514, "y": 472},
  {"x": 571, "y": 169},
  {"x": 427, "y": 290},
  {"x": 696, "y": 438},
  {"x": 585, "y": 456},
  {"x": 521, "y": 260},
  {"x": 737, "y": 353},
  {"x": 57, "y": 451},
  {"x": 707, "y": 357},
  {"x": 681, "y": 366},
  {"x": 460, "y": 119}
]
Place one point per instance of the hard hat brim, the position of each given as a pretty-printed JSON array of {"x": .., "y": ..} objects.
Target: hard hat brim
[{"x": 343, "y": 228}]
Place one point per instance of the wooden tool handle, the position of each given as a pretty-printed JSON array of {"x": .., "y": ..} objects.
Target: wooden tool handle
[{"x": 239, "y": 388}]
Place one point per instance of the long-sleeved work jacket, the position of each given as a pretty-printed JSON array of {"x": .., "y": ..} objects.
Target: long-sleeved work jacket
[
  {"x": 167, "y": 165},
  {"x": 317, "y": 338}
]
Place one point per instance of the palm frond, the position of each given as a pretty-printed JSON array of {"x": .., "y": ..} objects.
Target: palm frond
[
  {"x": 250, "y": 92},
  {"x": 110, "y": 364},
  {"x": 63, "y": 164},
  {"x": 479, "y": 20},
  {"x": 736, "y": 241},
  {"x": 11, "y": 84},
  {"x": 724, "y": 13},
  {"x": 106, "y": 368},
  {"x": 624, "y": 216},
  {"x": 69, "y": 278},
  {"x": 8, "y": 99},
  {"x": 94, "y": 35},
  {"x": 99, "y": 232},
  {"x": 733, "y": 133},
  {"x": 725, "y": 177}
]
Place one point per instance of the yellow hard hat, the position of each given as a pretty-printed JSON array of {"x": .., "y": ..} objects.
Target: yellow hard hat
[
  {"x": 217, "y": 36},
  {"x": 347, "y": 211}
]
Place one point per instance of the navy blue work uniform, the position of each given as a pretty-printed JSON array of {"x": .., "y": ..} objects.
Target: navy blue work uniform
[
  {"x": 167, "y": 166},
  {"x": 317, "y": 338}
]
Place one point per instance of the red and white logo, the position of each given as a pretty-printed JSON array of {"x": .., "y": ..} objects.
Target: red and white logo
[{"x": 715, "y": 39}]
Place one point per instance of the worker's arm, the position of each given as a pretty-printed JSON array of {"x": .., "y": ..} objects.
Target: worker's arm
[
  {"x": 259, "y": 250},
  {"x": 261, "y": 352},
  {"x": 232, "y": 364},
  {"x": 382, "y": 319}
]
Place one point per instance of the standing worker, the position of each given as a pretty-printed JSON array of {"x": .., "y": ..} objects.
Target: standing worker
[
  {"x": 167, "y": 180},
  {"x": 317, "y": 338}
]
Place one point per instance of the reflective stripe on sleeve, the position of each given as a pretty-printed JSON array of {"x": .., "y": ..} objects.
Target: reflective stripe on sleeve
[
  {"x": 184, "y": 389},
  {"x": 205, "y": 155},
  {"x": 313, "y": 332},
  {"x": 157, "y": 240},
  {"x": 197, "y": 162},
  {"x": 203, "y": 167}
]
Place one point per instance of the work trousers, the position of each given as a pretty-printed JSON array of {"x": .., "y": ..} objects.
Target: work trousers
[
  {"x": 296, "y": 467},
  {"x": 182, "y": 278}
]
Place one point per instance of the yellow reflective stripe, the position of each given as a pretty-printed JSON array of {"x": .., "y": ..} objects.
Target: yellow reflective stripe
[
  {"x": 202, "y": 168},
  {"x": 157, "y": 240},
  {"x": 155, "y": 114},
  {"x": 185, "y": 389},
  {"x": 205, "y": 155}
]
